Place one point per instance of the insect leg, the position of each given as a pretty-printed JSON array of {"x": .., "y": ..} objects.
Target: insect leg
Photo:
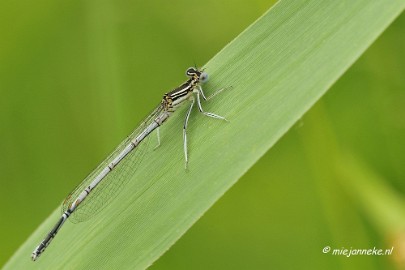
[{"x": 185, "y": 132}]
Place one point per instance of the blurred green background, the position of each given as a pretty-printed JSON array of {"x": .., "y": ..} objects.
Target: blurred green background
[{"x": 77, "y": 76}]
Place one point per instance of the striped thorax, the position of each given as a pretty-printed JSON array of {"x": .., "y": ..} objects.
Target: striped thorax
[{"x": 173, "y": 99}]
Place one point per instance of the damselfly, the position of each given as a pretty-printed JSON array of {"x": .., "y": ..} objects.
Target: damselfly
[{"x": 103, "y": 183}]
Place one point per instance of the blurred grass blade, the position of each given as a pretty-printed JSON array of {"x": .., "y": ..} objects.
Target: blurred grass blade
[
  {"x": 383, "y": 205},
  {"x": 279, "y": 67}
]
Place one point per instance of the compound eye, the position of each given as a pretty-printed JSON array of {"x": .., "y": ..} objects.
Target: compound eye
[
  {"x": 203, "y": 77},
  {"x": 191, "y": 71}
]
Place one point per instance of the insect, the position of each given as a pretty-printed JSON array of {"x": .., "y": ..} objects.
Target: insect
[{"x": 104, "y": 182}]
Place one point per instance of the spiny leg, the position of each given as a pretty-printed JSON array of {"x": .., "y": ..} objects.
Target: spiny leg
[
  {"x": 199, "y": 88},
  {"x": 213, "y": 94},
  {"x": 185, "y": 131},
  {"x": 213, "y": 115},
  {"x": 158, "y": 138}
]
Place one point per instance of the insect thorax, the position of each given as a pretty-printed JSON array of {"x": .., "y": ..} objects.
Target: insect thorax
[{"x": 175, "y": 98}]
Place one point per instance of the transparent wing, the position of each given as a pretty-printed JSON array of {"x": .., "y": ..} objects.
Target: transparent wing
[{"x": 114, "y": 182}]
